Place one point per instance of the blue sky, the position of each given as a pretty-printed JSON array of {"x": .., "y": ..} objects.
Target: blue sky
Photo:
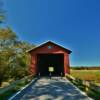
[{"x": 75, "y": 24}]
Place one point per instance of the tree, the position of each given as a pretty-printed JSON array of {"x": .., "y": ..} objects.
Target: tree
[
  {"x": 14, "y": 61},
  {"x": 2, "y": 12},
  {"x": 6, "y": 51},
  {"x": 3, "y": 67}
]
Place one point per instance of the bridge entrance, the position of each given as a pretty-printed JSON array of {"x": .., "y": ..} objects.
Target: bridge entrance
[{"x": 55, "y": 61}]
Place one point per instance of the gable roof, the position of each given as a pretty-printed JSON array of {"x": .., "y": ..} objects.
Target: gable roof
[{"x": 67, "y": 50}]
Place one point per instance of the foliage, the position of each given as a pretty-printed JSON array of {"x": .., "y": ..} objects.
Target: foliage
[
  {"x": 14, "y": 88},
  {"x": 3, "y": 67},
  {"x": 7, "y": 94},
  {"x": 85, "y": 67},
  {"x": 2, "y": 12},
  {"x": 14, "y": 60},
  {"x": 94, "y": 95}
]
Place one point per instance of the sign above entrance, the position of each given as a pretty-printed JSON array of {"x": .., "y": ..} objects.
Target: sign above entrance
[{"x": 51, "y": 69}]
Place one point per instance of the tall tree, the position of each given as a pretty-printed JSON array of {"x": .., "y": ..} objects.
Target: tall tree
[
  {"x": 2, "y": 12},
  {"x": 6, "y": 51},
  {"x": 14, "y": 61}
]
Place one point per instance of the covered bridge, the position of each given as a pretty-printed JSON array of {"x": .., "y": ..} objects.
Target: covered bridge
[{"x": 49, "y": 55}]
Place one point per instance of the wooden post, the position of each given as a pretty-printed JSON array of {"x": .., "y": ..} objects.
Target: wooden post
[
  {"x": 39, "y": 74},
  {"x": 50, "y": 75},
  {"x": 86, "y": 84},
  {"x": 61, "y": 75}
]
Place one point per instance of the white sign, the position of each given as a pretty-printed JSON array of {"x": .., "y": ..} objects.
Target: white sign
[{"x": 51, "y": 69}]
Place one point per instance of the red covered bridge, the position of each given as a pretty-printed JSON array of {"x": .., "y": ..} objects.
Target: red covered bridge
[{"x": 49, "y": 55}]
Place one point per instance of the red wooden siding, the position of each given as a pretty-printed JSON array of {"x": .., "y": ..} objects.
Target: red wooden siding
[{"x": 44, "y": 50}]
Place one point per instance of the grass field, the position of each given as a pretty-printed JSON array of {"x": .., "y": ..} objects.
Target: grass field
[{"x": 90, "y": 75}]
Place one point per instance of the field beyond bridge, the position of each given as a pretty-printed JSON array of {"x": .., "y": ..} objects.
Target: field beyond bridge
[{"x": 88, "y": 75}]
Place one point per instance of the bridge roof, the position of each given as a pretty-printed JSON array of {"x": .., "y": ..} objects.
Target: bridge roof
[{"x": 49, "y": 42}]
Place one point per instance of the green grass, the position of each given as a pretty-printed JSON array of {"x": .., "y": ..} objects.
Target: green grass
[
  {"x": 90, "y": 75},
  {"x": 9, "y": 93},
  {"x": 94, "y": 95}
]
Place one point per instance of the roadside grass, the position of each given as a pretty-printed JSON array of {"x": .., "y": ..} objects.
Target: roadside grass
[
  {"x": 7, "y": 94},
  {"x": 94, "y": 95},
  {"x": 89, "y": 75},
  {"x": 12, "y": 91}
]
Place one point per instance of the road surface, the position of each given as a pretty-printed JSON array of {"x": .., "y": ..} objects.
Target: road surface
[{"x": 52, "y": 89}]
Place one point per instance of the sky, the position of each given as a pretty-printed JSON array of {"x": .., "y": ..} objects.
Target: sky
[{"x": 74, "y": 24}]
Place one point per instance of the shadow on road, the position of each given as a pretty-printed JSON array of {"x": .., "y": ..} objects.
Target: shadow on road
[{"x": 51, "y": 89}]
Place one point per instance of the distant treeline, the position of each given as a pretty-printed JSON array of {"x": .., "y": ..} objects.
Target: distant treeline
[{"x": 86, "y": 68}]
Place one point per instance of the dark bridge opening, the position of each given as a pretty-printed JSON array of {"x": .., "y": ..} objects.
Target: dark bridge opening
[{"x": 45, "y": 61}]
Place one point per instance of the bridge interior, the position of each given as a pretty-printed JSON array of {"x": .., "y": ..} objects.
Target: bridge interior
[{"x": 45, "y": 61}]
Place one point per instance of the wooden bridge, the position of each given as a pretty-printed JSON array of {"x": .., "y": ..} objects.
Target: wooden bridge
[{"x": 55, "y": 88}]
